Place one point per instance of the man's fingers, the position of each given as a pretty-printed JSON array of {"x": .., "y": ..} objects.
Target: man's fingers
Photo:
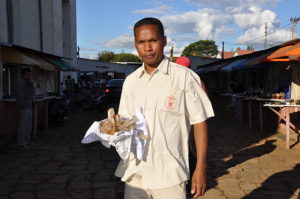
[
  {"x": 199, "y": 190},
  {"x": 203, "y": 189},
  {"x": 193, "y": 189}
]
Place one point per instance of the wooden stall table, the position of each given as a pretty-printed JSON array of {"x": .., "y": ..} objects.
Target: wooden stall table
[
  {"x": 10, "y": 116},
  {"x": 240, "y": 107},
  {"x": 236, "y": 101},
  {"x": 225, "y": 102},
  {"x": 37, "y": 105},
  {"x": 286, "y": 109},
  {"x": 260, "y": 109},
  {"x": 250, "y": 99}
]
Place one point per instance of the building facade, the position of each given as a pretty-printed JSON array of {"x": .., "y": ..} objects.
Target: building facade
[
  {"x": 38, "y": 34},
  {"x": 43, "y": 25}
]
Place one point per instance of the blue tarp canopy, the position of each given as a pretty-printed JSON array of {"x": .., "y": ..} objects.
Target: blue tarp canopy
[
  {"x": 244, "y": 67},
  {"x": 247, "y": 63},
  {"x": 212, "y": 67},
  {"x": 237, "y": 64}
]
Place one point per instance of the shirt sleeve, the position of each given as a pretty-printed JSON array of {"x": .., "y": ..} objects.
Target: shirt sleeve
[{"x": 198, "y": 105}]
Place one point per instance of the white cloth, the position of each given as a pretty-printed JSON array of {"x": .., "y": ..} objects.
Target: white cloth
[{"x": 124, "y": 141}]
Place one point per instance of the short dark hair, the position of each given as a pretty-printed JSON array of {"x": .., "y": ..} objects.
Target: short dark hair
[
  {"x": 25, "y": 70},
  {"x": 150, "y": 21}
]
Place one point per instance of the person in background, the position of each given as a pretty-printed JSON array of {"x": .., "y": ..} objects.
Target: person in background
[
  {"x": 185, "y": 61},
  {"x": 172, "y": 100},
  {"x": 62, "y": 89},
  {"x": 24, "y": 99},
  {"x": 70, "y": 87}
]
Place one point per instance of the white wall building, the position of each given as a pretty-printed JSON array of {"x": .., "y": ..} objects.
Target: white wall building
[
  {"x": 47, "y": 26},
  {"x": 41, "y": 35},
  {"x": 105, "y": 69}
]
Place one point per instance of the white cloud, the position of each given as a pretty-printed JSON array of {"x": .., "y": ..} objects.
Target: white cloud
[
  {"x": 172, "y": 44},
  {"x": 255, "y": 17},
  {"x": 243, "y": 19},
  {"x": 88, "y": 56},
  {"x": 235, "y": 5},
  {"x": 121, "y": 42},
  {"x": 206, "y": 23},
  {"x": 83, "y": 48},
  {"x": 135, "y": 52},
  {"x": 256, "y": 36},
  {"x": 255, "y": 23},
  {"x": 159, "y": 10}
]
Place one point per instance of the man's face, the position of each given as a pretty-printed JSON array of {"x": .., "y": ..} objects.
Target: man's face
[{"x": 150, "y": 44}]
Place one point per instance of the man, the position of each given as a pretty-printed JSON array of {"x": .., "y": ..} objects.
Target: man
[
  {"x": 25, "y": 92},
  {"x": 70, "y": 88},
  {"x": 171, "y": 99}
]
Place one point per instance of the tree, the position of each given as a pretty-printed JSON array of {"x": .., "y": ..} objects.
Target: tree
[
  {"x": 126, "y": 57},
  {"x": 250, "y": 47},
  {"x": 201, "y": 48},
  {"x": 109, "y": 56},
  {"x": 105, "y": 56}
]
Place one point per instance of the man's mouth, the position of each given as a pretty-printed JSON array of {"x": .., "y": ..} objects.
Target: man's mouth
[{"x": 149, "y": 56}]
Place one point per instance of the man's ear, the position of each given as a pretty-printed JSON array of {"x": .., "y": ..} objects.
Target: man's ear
[{"x": 165, "y": 40}]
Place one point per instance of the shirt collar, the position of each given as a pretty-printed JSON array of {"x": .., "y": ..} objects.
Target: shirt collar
[{"x": 163, "y": 68}]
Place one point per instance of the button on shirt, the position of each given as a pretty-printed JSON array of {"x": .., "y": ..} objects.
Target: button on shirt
[{"x": 172, "y": 100}]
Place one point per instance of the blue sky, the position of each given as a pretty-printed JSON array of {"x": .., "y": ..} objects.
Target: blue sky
[{"x": 107, "y": 25}]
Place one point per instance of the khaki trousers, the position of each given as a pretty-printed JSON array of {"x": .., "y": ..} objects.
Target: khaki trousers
[
  {"x": 134, "y": 190},
  {"x": 25, "y": 127}
]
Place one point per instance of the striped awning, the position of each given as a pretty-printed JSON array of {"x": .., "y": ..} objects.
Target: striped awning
[
  {"x": 286, "y": 53},
  {"x": 59, "y": 63},
  {"x": 12, "y": 55}
]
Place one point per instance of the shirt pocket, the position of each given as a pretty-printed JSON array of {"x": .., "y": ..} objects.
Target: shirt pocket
[{"x": 172, "y": 100}]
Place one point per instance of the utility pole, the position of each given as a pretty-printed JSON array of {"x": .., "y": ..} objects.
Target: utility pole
[
  {"x": 171, "y": 54},
  {"x": 294, "y": 22},
  {"x": 266, "y": 34},
  {"x": 222, "y": 49},
  {"x": 78, "y": 51}
]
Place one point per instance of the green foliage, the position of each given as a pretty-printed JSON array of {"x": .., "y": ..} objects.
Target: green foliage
[
  {"x": 201, "y": 48},
  {"x": 106, "y": 56},
  {"x": 126, "y": 57}
]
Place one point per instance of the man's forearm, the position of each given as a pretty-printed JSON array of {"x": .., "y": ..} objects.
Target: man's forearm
[
  {"x": 201, "y": 142},
  {"x": 199, "y": 175}
]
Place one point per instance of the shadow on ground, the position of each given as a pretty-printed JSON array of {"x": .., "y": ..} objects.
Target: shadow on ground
[
  {"x": 59, "y": 167},
  {"x": 280, "y": 185}
]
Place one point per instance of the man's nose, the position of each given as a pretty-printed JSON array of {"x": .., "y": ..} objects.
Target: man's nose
[{"x": 148, "y": 46}]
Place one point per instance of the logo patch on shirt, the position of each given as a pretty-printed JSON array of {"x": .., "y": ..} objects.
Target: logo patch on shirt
[{"x": 171, "y": 102}]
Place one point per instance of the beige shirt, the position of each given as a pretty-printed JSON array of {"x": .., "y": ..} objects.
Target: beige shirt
[{"x": 171, "y": 99}]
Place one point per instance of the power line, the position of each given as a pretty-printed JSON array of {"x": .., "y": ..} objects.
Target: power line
[{"x": 268, "y": 34}]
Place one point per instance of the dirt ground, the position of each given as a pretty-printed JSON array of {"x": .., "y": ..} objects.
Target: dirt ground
[{"x": 241, "y": 164}]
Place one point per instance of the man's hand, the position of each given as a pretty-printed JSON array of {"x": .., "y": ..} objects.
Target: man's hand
[
  {"x": 199, "y": 176},
  {"x": 198, "y": 183}
]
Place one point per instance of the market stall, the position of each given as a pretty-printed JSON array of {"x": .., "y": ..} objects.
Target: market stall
[{"x": 45, "y": 78}]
